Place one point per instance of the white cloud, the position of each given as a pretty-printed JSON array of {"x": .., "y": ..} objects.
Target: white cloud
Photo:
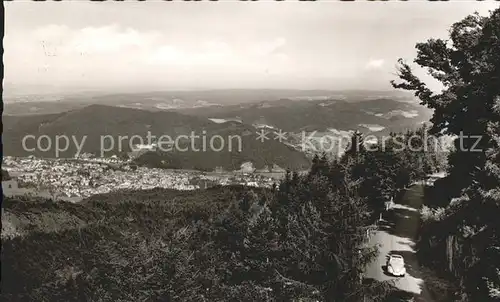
[
  {"x": 268, "y": 47},
  {"x": 210, "y": 53},
  {"x": 217, "y": 46},
  {"x": 164, "y": 55},
  {"x": 52, "y": 31},
  {"x": 117, "y": 55},
  {"x": 375, "y": 64},
  {"x": 249, "y": 47},
  {"x": 57, "y": 54},
  {"x": 220, "y": 56},
  {"x": 109, "y": 39}
]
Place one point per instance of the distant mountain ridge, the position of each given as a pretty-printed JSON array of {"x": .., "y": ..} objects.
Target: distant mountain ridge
[
  {"x": 166, "y": 100},
  {"x": 321, "y": 115},
  {"x": 97, "y": 121}
]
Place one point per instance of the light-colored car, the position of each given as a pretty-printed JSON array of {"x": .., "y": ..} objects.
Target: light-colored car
[{"x": 396, "y": 265}]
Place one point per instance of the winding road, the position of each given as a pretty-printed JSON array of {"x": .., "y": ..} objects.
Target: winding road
[{"x": 396, "y": 234}]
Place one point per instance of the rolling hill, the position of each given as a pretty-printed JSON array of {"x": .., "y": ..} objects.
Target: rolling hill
[
  {"x": 223, "y": 112},
  {"x": 379, "y": 115},
  {"x": 99, "y": 123}
]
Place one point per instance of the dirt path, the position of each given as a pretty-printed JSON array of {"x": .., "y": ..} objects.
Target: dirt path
[{"x": 396, "y": 234}]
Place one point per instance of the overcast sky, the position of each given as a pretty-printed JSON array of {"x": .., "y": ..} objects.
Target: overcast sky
[{"x": 176, "y": 45}]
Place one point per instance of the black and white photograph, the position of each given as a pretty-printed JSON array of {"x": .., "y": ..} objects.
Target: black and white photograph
[{"x": 241, "y": 151}]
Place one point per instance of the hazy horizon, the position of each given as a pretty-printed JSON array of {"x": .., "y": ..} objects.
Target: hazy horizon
[{"x": 115, "y": 47}]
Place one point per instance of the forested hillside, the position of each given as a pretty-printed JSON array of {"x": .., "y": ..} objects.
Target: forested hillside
[
  {"x": 107, "y": 130},
  {"x": 306, "y": 238}
]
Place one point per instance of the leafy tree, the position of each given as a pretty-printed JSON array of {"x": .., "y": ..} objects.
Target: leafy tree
[
  {"x": 468, "y": 67},
  {"x": 388, "y": 166}
]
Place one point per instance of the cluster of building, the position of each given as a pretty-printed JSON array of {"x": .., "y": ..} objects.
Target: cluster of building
[{"x": 85, "y": 177}]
